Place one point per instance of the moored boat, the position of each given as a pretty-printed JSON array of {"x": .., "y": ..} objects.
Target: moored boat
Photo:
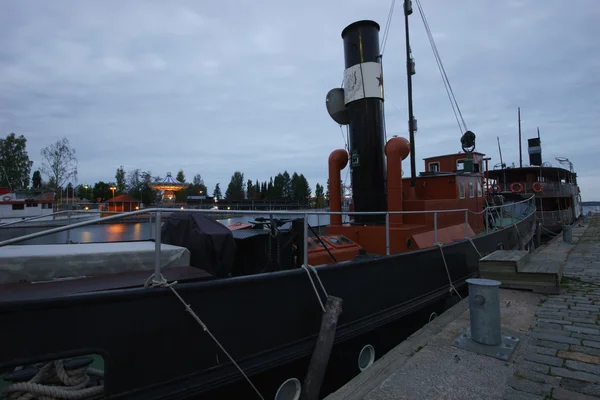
[
  {"x": 258, "y": 292},
  {"x": 557, "y": 194}
]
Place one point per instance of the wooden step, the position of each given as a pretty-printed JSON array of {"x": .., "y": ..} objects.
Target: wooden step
[{"x": 518, "y": 269}]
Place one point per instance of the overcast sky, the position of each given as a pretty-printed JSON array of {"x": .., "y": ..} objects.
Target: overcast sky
[{"x": 214, "y": 87}]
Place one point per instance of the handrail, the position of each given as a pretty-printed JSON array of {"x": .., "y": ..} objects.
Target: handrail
[
  {"x": 234, "y": 212},
  {"x": 47, "y": 215},
  {"x": 502, "y": 205},
  {"x": 158, "y": 211}
]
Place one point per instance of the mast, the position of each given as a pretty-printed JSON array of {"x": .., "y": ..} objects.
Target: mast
[
  {"x": 410, "y": 71},
  {"x": 520, "y": 151}
]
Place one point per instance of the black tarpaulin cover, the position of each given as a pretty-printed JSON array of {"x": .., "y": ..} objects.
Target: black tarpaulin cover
[{"x": 210, "y": 243}]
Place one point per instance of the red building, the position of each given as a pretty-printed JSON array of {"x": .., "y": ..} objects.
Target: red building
[{"x": 123, "y": 203}]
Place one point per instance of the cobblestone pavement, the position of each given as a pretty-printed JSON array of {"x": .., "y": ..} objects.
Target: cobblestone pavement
[{"x": 564, "y": 359}]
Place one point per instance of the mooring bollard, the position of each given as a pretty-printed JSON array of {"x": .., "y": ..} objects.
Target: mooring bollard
[
  {"x": 484, "y": 305},
  {"x": 567, "y": 233},
  {"x": 485, "y": 335}
]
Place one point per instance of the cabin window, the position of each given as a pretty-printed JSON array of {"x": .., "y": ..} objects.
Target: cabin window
[
  {"x": 434, "y": 167},
  {"x": 461, "y": 189},
  {"x": 471, "y": 190},
  {"x": 460, "y": 164},
  {"x": 18, "y": 206},
  {"x": 479, "y": 191},
  {"x": 46, "y": 206},
  {"x": 32, "y": 205}
]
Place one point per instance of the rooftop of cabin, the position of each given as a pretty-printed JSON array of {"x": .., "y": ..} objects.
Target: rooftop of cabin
[
  {"x": 453, "y": 163},
  {"x": 533, "y": 173}
]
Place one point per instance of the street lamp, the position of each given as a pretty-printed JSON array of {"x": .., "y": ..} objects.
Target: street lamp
[
  {"x": 86, "y": 191},
  {"x": 113, "y": 190}
]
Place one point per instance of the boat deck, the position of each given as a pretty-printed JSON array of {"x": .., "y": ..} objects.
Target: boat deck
[{"x": 35, "y": 272}]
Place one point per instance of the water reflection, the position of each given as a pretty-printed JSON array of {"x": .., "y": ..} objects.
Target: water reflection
[{"x": 118, "y": 231}]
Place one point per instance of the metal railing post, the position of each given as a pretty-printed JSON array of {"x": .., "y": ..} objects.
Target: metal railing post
[
  {"x": 305, "y": 240},
  {"x": 487, "y": 221},
  {"x": 466, "y": 224},
  {"x": 435, "y": 235},
  {"x": 150, "y": 225},
  {"x": 157, "y": 247},
  {"x": 69, "y": 223},
  {"x": 387, "y": 233}
]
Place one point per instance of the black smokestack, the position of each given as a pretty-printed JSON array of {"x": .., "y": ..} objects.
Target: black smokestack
[
  {"x": 535, "y": 151},
  {"x": 363, "y": 96}
]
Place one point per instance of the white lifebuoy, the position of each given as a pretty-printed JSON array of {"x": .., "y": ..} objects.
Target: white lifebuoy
[{"x": 6, "y": 198}]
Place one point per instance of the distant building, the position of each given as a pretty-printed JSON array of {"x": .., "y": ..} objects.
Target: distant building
[{"x": 123, "y": 203}]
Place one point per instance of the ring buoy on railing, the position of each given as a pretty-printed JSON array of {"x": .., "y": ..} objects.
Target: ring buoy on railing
[
  {"x": 516, "y": 187},
  {"x": 494, "y": 189},
  {"x": 537, "y": 187},
  {"x": 6, "y": 198}
]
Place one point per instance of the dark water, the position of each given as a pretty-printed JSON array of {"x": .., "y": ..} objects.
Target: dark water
[{"x": 114, "y": 232}]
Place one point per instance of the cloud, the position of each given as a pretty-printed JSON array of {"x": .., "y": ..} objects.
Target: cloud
[{"x": 224, "y": 86}]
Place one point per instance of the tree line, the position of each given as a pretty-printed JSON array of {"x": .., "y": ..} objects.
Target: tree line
[{"x": 59, "y": 167}]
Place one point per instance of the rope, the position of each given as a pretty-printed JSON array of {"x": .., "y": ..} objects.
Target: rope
[
  {"x": 308, "y": 268},
  {"x": 45, "y": 384},
  {"x": 518, "y": 233},
  {"x": 475, "y": 247},
  {"x": 549, "y": 231},
  {"x": 387, "y": 27},
  {"x": 440, "y": 245},
  {"x": 438, "y": 59},
  {"x": 162, "y": 282}
]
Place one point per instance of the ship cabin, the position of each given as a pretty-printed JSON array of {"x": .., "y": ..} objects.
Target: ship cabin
[
  {"x": 450, "y": 182},
  {"x": 556, "y": 191}
]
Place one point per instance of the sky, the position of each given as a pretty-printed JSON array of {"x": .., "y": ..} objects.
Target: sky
[{"x": 215, "y": 87}]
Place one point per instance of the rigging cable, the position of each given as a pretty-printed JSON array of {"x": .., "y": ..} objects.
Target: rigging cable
[
  {"x": 387, "y": 27},
  {"x": 449, "y": 91}
]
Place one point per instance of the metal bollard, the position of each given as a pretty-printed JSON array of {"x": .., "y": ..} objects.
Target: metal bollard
[
  {"x": 567, "y": 231},
  {"x": 485, "y": 335},
  {"x": 484, "y": 305}
]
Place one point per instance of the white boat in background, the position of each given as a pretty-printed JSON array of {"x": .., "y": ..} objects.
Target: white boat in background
[
  {"x": 16, "y": 205},
  {"x": 33, "y": 208}
]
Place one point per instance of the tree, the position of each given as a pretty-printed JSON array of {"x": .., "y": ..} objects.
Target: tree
[
  {"x": 250, "y": 190},
  {"x": 102, "y": 191},
  {"x": 180, "y": 195},
  {"x": 15, "y": 166},
  {"x": 235, "y": 189},
  {"x": 197, "y": 187},
  {"x": 36, "y": 181},
  {"x": 303, "y": 190},
  {"x": 59, "y": 162},
  {"x": 320, "y": 196},
  {"x": 287, "y": 186},
  {"x": 199, "y": 184},
  {"x": 138, "y": 185},
  {"x": 120, "y": 177},
  {"x": 180, "y": 176},
  {"x": 217, "y": 192}
]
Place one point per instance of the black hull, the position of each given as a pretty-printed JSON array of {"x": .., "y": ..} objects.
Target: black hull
[{"x": 153, "y": 349}]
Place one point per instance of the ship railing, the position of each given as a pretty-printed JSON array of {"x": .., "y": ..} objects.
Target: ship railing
[
  {"x": 68, "y": 214},
  {"x": 555, "y": 216},
  {"x": 158, "y": 214},
  {"x": 548, "y": 188}
]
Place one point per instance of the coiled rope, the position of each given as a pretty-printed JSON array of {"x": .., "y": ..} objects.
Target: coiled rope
[{"x": 53, "y": 382}]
